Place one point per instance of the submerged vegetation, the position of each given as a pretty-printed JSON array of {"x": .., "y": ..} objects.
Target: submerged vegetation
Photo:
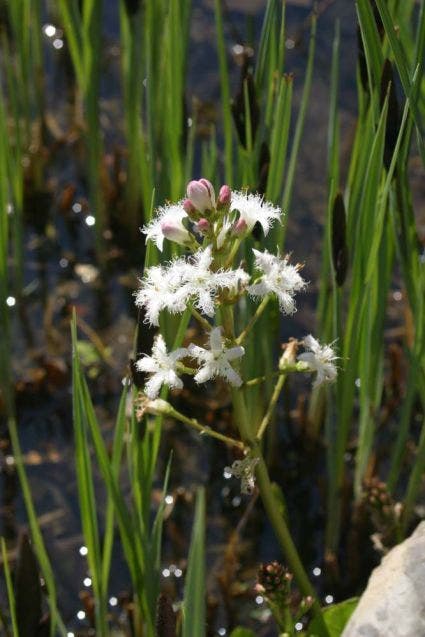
[{"x": 214, "y": 295}]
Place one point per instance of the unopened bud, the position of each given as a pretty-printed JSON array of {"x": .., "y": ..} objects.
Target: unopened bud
[
  {"x": 240, "y": 227},
  {"x": 201, "y": 194},
  {"x": 175, "y": 232},
  {"x": 224, "y": 197},
  {"x": 157, "y": 407},
  {"x": 289, "y": 355},
  {"x": 203, "y": 225},
  {"x": 188, "y": 207},
  {"x": 273, "y": 578}
]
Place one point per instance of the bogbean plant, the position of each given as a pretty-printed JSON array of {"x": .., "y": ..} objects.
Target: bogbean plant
[{"x": 211, "y": 281}]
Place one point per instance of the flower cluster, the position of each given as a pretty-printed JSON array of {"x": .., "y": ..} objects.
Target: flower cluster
[
  {"x": 279, "y": 278},
  {"x": 320, "y": 359},
  {"x": 214, "y": 361},
  {"x": 173, "y": 286},
  {"x": 208, "y": 278}
]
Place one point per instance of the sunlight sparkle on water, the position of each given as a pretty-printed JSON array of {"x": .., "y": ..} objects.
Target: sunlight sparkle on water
[
  {"x": 83, "y": 550},
  {"x": 329, "y": 599},
  {"x": 90, "y": 220},
  {"x": 49, "y": 30},
  {"x": 222, "y": 631},
  {"x": 10, "y": 301},
  {"x": 70, "y": 635},
  {"x": 317, "y": 571},
  {"x": 169, "y": 499},
  {"x": 259, "y": 599},
  {"x": 298, "y": 626},
  {"x": 87, "y": 581},
  {"x": 113, "y": 601},
  {"x": 81, "y": 615},
  {"x": 58, "y": 43}
]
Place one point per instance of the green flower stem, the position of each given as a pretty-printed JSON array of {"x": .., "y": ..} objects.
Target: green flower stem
[
  {"x": 258, "y": 312},
  {"x": 299, "y": 367},
  {"x": 272, "y": 404},
  {"x": 265, "y": 488},
  {"x": 205, "y": 324},
  {"x": 202, "y": 429},
  {"x": 233, "y": 253}
]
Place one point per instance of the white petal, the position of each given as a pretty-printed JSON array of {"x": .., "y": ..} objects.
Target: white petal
[
  {"x": 146, "y": 364},
  {"x": 215, "y": 339},
  {"x": 153, "y": 386},
  {"x": 233, "y": 377},
  {"x": 203, "y": 375},
  {"x": 234, "y": 352}
]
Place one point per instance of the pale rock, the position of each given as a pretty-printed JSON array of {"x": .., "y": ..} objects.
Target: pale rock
[{"x": 393, "y": 604}]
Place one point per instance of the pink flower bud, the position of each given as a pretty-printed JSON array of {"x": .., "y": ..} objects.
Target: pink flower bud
[
  {"x": 224, "y": 196},
  {"x": 175, "y": 231},
  {"x": 188, "y": 206},
  {"x": 203, "y": 225},
  {"x": 240, "y": 226},
  {"x": 201, "y": 194}
]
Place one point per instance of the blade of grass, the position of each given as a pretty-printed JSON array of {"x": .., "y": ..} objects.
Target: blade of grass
[
  {"x": 194, "y": 610},
  {"x": 10, "y": 591},
  {"x": 402, "y": 64},
  {"x": 225, "y": 93},
  {"x": 299, "y": 128},
  {"x": 87, "y": 498}
]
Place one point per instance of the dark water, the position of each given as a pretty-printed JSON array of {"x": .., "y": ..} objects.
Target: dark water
[{"x": 59, "y": 247}]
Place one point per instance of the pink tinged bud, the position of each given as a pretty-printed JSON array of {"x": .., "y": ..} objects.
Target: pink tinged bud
[
  {"x": 201, "y": 194},
  {"x": 240, "y": 226},
  {"x": 188, "y": 206},
  {"x": 175, "y": 232},
  {"x": 224, "y": 196},
  {"x": 203, "y": 225}
]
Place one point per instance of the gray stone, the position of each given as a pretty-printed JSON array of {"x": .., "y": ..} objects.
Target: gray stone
[{"x": 393, "y": 604}]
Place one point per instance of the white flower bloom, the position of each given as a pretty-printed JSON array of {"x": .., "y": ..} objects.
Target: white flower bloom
[
  {"x": 234, "y": 280},
  {"x": 279, "y": 277},
  {"x": 215, "y": 361},
  {"x": 160, "y": 290},
  {"x": 202, "y": 284},
  {"x": 173, "y": 286},
  {"x": 244, "y": 470},
  {"x": 162, "y": 367},
  {"x": 168, "y": 224},
  {"x": 253, "y": 209},
  {"x": 321, "y": 359}
]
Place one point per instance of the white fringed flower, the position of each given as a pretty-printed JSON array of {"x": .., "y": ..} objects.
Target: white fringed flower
[
  {"x": 161, "y": 289},
  {"x": 244, "y": 471},
  {"x": 173, "y": 286},
  {"x": 253, "y": 209},
  {"x": 168, "y": 224},
  {"x": 215, "y": 361},
  {"x": 162, "y": 367},
  {"x": 279, "y": 277},
  {"x": 320, "y": 359},
  {"x": 200, "y": 284}
]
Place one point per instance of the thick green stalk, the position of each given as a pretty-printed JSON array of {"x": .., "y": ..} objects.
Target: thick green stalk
[{"x": 265, "y": 488}]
